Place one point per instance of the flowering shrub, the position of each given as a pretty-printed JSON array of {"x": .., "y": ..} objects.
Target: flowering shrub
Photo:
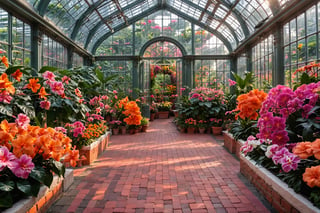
[
  {"x": 190, "y": 122},
  {"x": 164, "y": 106},
  {"x": 288, "y": 121},
  {"x": 217, "y": 122},
  {"x": 93, "y": 132},
  {"x": 28, "y": 157},
  {"x": 202, "y": 123},
  {"x": 247, "y": 107},
  {"x": 115, "y": 124},
  {"x": 132, "y": 112}
]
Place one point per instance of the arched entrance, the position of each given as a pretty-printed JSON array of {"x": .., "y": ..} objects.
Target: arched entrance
[{"x": 161, "y": 69}]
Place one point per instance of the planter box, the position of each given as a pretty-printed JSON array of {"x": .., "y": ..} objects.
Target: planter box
[
  {"x": 279, "y": 195},
  {"x": 163, "y": 115},
  {"x": 239, "y": 143},
  {"x": 46, "y": 197},
  {"x": 229, "y": 142},
  {"x": 92, "y": 151}
]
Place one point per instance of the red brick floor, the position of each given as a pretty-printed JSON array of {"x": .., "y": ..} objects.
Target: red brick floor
[{"x": 160, "y": 171}]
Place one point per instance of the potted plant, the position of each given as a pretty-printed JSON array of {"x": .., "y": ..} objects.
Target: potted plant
[
  {"x": 115, "y": 126},
  {"x": 144, "y": 124},
  {"x": 191, "y": 125},
  {"x": 216, "y": 125},
  {"x": 164, "y": 109},
  {"x": 153, "y": 111},
  {"x": 202, "y": 125}
]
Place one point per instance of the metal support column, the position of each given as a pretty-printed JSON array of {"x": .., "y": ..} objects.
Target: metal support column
[
  {"x": 135, "y": 77},
  {"x": 233, "y": 68},
  {"x": 10, "y": 47},
  {"x": 187, "y": 73},
  {"x": 36, "y": 43},
  {"x": 249, "y": 59},
  {"x": 278, "y": 62},
  {"x": 69, "y": 58}
]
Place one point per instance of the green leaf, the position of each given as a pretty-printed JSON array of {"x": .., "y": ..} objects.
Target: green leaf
[
  {"x": 58, "y": 168},
  {"x": 28, "y": 110},
  {"x": 24, "y": 186},
  {"x": 35, "y": 188},
  {"x": 5, "y": 200},
  {"x": 12, "y": 69},
  {"x": 48, "y": 68},
  {"x": 5, "y": 111},
  {"x": 6, "y": 186}
]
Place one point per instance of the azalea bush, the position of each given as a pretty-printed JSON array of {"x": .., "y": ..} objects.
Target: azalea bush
[
  {"x": 247, "y": 109},
  {"x": 29, "y": 155},
  {"x": 131, "y": 111}
]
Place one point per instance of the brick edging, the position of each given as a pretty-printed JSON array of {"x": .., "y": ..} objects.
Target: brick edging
[{"x": 276, "y": 192}]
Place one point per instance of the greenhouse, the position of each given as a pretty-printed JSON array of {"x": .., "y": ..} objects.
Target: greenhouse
[{"x": 159, "y": 106}]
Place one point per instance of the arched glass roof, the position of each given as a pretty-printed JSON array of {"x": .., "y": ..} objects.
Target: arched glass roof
[{"x": 89, "y": 22}]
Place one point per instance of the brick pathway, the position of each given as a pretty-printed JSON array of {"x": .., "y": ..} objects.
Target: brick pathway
[{"x": 160, "y": 171}]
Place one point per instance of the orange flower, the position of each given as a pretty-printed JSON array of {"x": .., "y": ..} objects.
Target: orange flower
[
  {"x": 33, "y": 85},
  {"x": 312, "y": 176},
  {"x": 303, "y": 150},
  {"x": 249, "y": 104},
  {"x": 72, "y": 157},
  {"x": 5, "y": 61},
  {"x": 17, "y": 75},
  {"x": 123, "y": 102},
  {"x": 43, "y": 93},
  {"x": 23, "y": 144},
  {"x": 315, "y": 146},
  {"x": 6, "y": 84}
]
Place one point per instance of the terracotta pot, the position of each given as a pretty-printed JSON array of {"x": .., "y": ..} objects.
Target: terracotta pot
[
  {"x": 144, "y": 128},
  {"x": 123, "y": 130},
  {"x": 132, "y": 131},
  {"x": 152, "y": 116},
  {"x": 190, "y": 130},
  {"x": 217, "y": 130},
  {"x": 137, "y": 130},
  {"x": 115, "y": 131},
  {"x": 202, "y": 130},
  {"x": 163, "y": 115},
  {"x": 182, "y": 130}
]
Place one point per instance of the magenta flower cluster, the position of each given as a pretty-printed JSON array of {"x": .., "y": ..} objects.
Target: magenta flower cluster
[
  {"x": 250, "y": 144},
  {"x": 282, "y": 102},
  {"x": 55, "y": 86},
  {"x": 20, "y": 167},
  {"x": 207, "y": 94},
  {"x": 77, "y": 128}
]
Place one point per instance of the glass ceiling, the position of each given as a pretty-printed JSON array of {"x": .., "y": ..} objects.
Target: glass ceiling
[{"x": 90, "y": 21}]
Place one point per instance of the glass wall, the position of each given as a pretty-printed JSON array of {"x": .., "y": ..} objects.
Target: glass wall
[
  {"x": 77, "y": 60},
  {"x": 301, "y": 42},
  {"x": 262, "y": 65},
  {"x": 53, "y": 53},
  {"x": 20, "y": 45},
  {"x": 242, "y": 65},
  {"x": 212, "y": 73}
]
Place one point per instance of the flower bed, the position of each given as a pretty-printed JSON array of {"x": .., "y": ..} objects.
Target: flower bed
[
  {"x": 278, "y": 194},
  {"x": 46, "y": 196},
  {"x": 92, "y": 151}
]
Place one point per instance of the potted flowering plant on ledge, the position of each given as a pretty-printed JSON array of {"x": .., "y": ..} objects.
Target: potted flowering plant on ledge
[
  {"x": 164, "y": 109},
  {"x": 216, "y": 125},
  {"x": 115, "y": 125},
  {"x": 191, "y": 125},
  {"x": 202, "y": 125}
]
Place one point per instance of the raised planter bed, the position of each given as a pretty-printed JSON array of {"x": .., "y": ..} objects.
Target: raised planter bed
[
  {"x": 46, "y": 197},
  {"x": 163, "y": 115},
  {"x": 278, "y": 194},
  {"x": 239, "y": 144},
  {"x": 92, "y": 151},
  {"x": 229, "y": 142}
]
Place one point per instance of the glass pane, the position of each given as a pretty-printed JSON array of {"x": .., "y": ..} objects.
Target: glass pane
[
  {"x": 293, "y": 53},
  {"x": 286, "y": 34},
  {"x": 301, "y": 26},
  {"x": 302, "y": 50},
  {"x": 286, "y": 55},
  {"x": 311, "y": 20},
  {"x": 312, "y": 47},
  {"x": 293, "y": 30}
]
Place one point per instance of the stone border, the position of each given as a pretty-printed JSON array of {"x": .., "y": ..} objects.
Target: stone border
[
  {"x": 279, "y": 195},
  {"x": 46, "y": 197}
]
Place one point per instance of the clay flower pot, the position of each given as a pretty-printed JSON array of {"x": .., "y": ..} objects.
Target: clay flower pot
[
  {"x": 217, "y": 130},
  {"x": 115, "y": 131},
  {"x": 202, "y": 130}
]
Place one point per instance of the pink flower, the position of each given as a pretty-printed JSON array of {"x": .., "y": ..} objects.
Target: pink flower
[
  {"x": 23, "y": 121},
  {"x": 45, "y": 105},
  {"x": 151, "y": 96},
  {"x": 115, "y": 92},
  {"x": 90, "y": 119},
  {"x": 65, "y": 79},
  {"x": 280, "y": 137},
  {"x": 5, "y": 97},
  {"x": 48, "y": 76},
  {"x": 231, "y": 82},
  {"x": 116, "y": 97},
  {"x": 77, "y": 131},
  {"x": 149, "y": 21},
  {"x": 183, "y": 89},
  {"x": 278, "y": 155},
  {"x": 143, "y": 23},
  {"x": 174, "y": 21},
  {"x": 271, "y": 150},
  {"x": 61, "y": 129},
  {"x": 98, "y": 110},
  {"x": 289, "y": 162},
  {"x": 57, "y": 87},
  {"x": 22, "y": 167},
  {"x": 6, "y": 158}
]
